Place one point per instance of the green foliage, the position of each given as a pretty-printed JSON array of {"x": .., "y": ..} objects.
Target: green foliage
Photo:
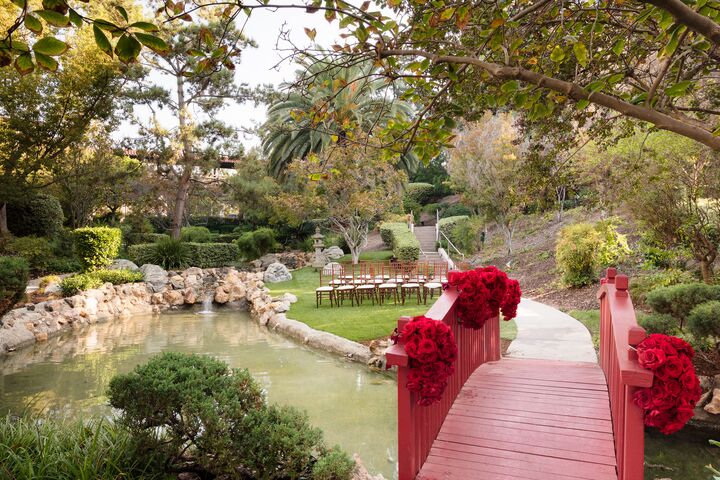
[
  {"x": 64, "y": 265},
  {"x": 195, "y": 234},
  {"x": 655, "y": 254},
  {"x": 13, "y": 281},
  {"x": 75, "y": 284},
  {"x": 169, "y": 253},
  {"x": 96, "y": 247},
  {"x": 411, "y": 206},
  {"x": 641, "y": 286},
  {"x": 419, "y": 193},
  {"x": 679, "y": 300},
  {"x": 277, "y": 442},
  {"x": 36, "y": 250},
  {"x": 466, "y": 235},
  {"x": 334, "y": 465},
  {"x": 576, "y": 254},
  {"x": 51, "y": 449},
  {"x": 455, "y": 210},
  {"x": 84, "y": 281},
  {"x": 174, "y": 254},
  {"x": 583, "y": 248},
  {"x": 180, "y": 403},
  {"x": 137, "y": 238},
  {"x": 398, "y": 236},
  {"x": 448, "y": 225},
  {"x": 660, "y": 323},
  {"x": 257, "y": 243},
  {"x": 613, "y": 247},
  {"x": 704, "y": 321},
  {"x": 39, "y": 215}
]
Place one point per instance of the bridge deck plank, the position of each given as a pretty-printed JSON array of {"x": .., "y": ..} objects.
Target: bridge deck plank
[{"x": 529, "y": 419}]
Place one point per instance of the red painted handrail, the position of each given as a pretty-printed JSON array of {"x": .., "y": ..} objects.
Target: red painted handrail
[
  {"x": 619, "y": 333},
  {"x": 419, "y": 426}
]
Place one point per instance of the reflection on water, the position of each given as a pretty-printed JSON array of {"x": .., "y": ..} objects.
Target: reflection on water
[{"x": 69, "y": 375}]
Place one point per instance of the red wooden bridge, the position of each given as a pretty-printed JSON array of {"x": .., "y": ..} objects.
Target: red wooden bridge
[{"x": 518, "y": 419}]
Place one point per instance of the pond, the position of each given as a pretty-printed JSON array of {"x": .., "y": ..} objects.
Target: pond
[{"x": 68, "y": 375}]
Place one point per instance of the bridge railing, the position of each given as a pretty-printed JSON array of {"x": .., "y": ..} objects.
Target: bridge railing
[
  {"x": 418, "y": 426},
  {"x": 619, "y": 334}
]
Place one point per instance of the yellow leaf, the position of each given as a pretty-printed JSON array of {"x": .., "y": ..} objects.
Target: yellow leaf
[
  {"x": 497, "y": 22},
  {"x": 311, "y": 33}
]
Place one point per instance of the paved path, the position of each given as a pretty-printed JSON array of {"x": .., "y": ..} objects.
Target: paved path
[{"x": 547, "y": 333}]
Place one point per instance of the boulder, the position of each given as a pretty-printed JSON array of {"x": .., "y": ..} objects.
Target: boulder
[
  {"x": 277, "y": 272},
  {"x": 177, "y": 282},
  {"x": 53, "y": 288},
  {"x": 333, "y": 268},
  {"x": 123, "y": 264},
  {"x": 333, "y": 253},
  {"x": 714, "y": 406},
  {"x": 190, "y": 296},
  {"x": 266, "y": 260},
  {"x": 287, "y": 297},
  {"x": 155, "y": 276},
  {"x": 173, "y": 297}
]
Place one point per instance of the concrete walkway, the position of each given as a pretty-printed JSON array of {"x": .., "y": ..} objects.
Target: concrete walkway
[{"x": 547, "y": 333}]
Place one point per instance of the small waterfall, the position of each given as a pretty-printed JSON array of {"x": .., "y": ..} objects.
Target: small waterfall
[{"x": 207, "y": 304}]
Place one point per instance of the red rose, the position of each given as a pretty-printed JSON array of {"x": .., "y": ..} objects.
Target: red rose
[
  {"x": 673, "y": 388},
  {"x": 643, "y": 398},
  {"x": 657, "y": 418},
  {"x": 674, "y": 367},
  {"x": 651, "y": 358}
]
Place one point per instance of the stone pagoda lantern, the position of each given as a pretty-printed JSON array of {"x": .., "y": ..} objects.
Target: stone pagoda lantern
[{"x": 319, "y": 260}]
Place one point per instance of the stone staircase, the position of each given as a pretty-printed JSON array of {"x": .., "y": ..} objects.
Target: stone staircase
[{"x": 426, "y": 237}]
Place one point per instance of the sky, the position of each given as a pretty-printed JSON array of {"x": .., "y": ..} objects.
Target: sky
[{"x": 259, "y": 66}]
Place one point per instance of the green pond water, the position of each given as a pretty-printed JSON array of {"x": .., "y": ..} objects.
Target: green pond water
[{"x": 68, "y": 375}]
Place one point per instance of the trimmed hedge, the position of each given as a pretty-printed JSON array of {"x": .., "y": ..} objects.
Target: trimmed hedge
[
  {"x": 679, "y": 300},
  {"x": 136, "y": 238},
  {"x": 203, "y": 255},
  {"x": 402, "y": 241},
  {"x": 39, "y": 214},
  {"x": 447, "y": 226},
  {"x": 97, "y": 247},
  {"x": 195, "y": 234},
  {"x": 13, "y": 281},
  {"x": 252, "y": 245},
  {"x": 85, "y": 281},
  {"x": 704, "y": 320}
]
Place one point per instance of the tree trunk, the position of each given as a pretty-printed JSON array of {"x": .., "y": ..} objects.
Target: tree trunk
[
  {"x": 509, "y": 230},
  {"x": 184, "y": 181},
  {"x": 560, "y": 193},
  {"x": 180, "y": 200},
  {"x": 706, "y": 270},
  {"x": 4, "y": 231}
]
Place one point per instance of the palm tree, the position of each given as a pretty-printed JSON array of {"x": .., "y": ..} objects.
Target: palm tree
[{"x": 327, "y": 104}]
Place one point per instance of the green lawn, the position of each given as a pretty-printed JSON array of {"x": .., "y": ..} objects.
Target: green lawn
[
  {"x": 591, "y": 320},
  {"x": 363, "y": 323}
]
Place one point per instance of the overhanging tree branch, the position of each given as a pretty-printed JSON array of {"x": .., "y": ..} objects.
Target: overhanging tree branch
[
  {"x": 695, "y": 21},
  {"x": 571, "y": 90}
]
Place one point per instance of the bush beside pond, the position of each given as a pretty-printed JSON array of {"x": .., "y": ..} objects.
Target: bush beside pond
[
  {"x": 192, "y": 405},
  {"x": 173, "y": 254},
  {"x": 13, "y": 281},
  {"x": 85, "y": 281}
]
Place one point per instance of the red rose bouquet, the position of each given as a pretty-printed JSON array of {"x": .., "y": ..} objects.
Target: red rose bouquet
[
  {"x": 670, "y": 402},
  {"x": 484, "y": 292},
  {"x": 431, "y": 349}
]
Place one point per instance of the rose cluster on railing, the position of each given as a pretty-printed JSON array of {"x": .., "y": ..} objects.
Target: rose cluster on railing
[
  {"x": 483, "y": 294},
  {"x": 431, "y": 350},
  {"x": 669, "y": 403}
]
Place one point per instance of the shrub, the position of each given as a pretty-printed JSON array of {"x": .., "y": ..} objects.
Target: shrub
[
  {"x": 47, "y": 280},
  {"x": 277, "y": 442},
  {"x": 96, "y": 247},
  {"x": 118, "y": 276},
  {"x": 465, "y": 235},
  {"x": 576, "y": 254},
  {"x": 169, "y": 253},
  {"x": 660, "y": 323},
  {"x": 387, "y": 229},
  {"x": 13, "y": 282},
  {"x": 52, "y": 449},
  {"x": 137, "y": 238},
  {"x": 448, "y": 225},
  {"x": 211, "y": 255},
  {"x": 36, "y": 250},
  {"x": 255, "y": 244},
  {"x": 641, "y": 286},
  {"x": 397, "y": 236},
  {"x": 178, "y": 400},
  {"x": 613, "y": 246},
  {"x": 704, "y": 320},
  {"x": 74, "y": 284},
  {"x": 226, "y": 237},
  {"x": 411, "y": 206},
  {"x": 333, "y": 465},
  {"x": 456, "y": 210},
  {"x": 679, "y": 300},
  {"x": 419, "y": 193},
  {"x": 195, "y": 234},
  {"x": 64, "y": 265},
  {"x": 39, "y": 215}
]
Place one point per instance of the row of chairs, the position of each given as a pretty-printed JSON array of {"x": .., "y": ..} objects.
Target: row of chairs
[{"x": 380, "y": 282}]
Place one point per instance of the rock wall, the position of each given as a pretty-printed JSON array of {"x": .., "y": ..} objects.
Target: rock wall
[{"x": 165, "y": 290}]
